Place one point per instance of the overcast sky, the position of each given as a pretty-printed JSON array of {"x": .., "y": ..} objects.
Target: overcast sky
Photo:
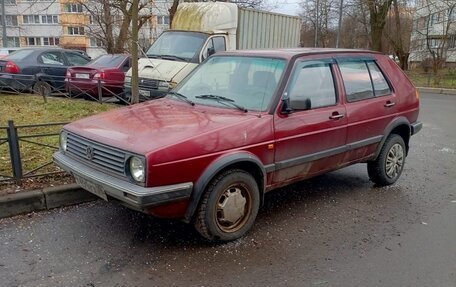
[{"x": 285, "y": 6}]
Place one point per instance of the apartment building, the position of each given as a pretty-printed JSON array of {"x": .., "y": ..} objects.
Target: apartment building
[
  {"x": 69, "y": 24},
  {"x": 434, "y": 31}
]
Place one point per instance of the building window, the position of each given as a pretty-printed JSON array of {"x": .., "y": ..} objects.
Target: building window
[
  {"x": 40, "y": 19},
  {"x": 452, "y": 42},
  {"x": 452, "y": 14},
  {"x": 163, "y": 20},
  {"x": 51, "y": 41},
  {"x": 50, "y": 19},
  {"x": 75, "y": 30},
  {"x": 31, "y": 19},
  {"x": 11, "y": 20},
  {"x": 73, "y": 8},
  {"x": 33, "y": 41},
  {"x": 13, "y": 42},
  {"x": 94, "y": 42}
]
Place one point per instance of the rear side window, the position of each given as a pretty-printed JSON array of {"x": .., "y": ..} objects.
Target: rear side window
[
  {"x": 363, "y": 80},
  {"x": 108, "y": 60},
  {"x": 75, "y": 59}
]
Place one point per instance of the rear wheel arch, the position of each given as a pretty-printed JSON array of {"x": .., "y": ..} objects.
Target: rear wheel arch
[
  {"x": 399, "y": 126},
  {"x": 243, "y": 160}
]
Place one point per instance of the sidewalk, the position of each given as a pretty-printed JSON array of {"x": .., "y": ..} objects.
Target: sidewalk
[{"x": 43, "y": 199}]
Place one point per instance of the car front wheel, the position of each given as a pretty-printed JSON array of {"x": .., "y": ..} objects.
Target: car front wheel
[
  {"x": 388, "y": 166},
  {"x": 229, "y": 206}
]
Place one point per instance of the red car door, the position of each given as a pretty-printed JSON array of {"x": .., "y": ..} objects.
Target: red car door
[
  {"x": 371, "y": 106},
  {"x": 311, "y": 139}
]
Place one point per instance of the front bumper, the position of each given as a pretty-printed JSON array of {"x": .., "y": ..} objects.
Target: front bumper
[{"x": 129, "y": 194}]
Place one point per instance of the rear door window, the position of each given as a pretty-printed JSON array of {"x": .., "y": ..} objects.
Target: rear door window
[
  {"x": 357, "y": 81},
  {"x": 381, "y": 87},
  {"x": 52, "y": 58},
  {"x": 363, "y": 80}
]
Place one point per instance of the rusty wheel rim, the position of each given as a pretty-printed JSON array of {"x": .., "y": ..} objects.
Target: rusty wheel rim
[{"x": 233, "y": 208}]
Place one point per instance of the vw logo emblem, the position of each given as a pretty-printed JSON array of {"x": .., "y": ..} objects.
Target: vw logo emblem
[{"x": 89, "y": 152}]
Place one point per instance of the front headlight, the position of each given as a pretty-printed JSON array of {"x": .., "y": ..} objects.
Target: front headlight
[
  {"x": 63, "y": 140},
  {"x": 137, "y": 169}
]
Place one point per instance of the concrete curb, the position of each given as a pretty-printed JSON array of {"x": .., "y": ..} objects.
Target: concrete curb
[
  {"x": 43, "y": 199},
  {"x": 437, "y": 91}
]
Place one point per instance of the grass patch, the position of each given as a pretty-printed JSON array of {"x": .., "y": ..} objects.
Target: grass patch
[
  {"x": 446, "y": 78},
  {"x": 30, "y": 109}
]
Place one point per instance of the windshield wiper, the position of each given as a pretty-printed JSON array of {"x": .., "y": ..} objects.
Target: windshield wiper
[
  {"x": 172, "y": 57},
  {"x": 180, "y": 96},
  {"x": 152, "y": 56},
  {"x": 221, "y": 99}
]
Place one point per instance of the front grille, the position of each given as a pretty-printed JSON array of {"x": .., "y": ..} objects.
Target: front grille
[
  {"x": 97, "y": 154},
  {"x": 148, "y": 83}
]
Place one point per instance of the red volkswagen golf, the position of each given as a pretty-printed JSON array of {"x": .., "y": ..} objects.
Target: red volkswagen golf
[{"x": 242, "y": 124}]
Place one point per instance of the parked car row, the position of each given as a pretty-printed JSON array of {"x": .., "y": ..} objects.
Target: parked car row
[{"x": 54, "y": 69}]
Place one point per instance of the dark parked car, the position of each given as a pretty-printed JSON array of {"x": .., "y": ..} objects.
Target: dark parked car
[
  {"x": 38, "y": 69},
  {"x": 105, "y": 74},
  {"x": 242, "y": 124}
]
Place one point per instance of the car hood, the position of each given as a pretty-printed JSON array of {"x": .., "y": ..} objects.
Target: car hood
[
  {"x": 151, "y": 126},
  {"x": 160, "y": 69}
]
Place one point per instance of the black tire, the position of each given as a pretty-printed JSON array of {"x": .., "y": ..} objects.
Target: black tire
[
  {"x": 228, "y": 187},
  {"x": 388, "y": 166}
]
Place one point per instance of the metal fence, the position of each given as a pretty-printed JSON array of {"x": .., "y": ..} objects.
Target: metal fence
[
  {"x": 14, "y": 139},
  {"x": 96, "y": 89}
]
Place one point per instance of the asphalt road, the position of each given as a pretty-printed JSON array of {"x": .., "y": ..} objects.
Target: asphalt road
[{"x": 334, "y": 230}]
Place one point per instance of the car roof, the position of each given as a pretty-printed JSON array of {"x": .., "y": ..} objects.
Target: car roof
[{"x": 289, "y": 53}]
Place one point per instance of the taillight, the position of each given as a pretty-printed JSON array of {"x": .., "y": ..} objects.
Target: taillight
[
  {"x": 12, "y": 68},
  {"x": 100, "y": 75}
]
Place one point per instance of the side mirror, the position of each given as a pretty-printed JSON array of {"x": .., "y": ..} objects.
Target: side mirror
[
  {"x": 210, "y": 51},
  {"x": 298, "y": 104},
  {"x": 286, "y": 107}
]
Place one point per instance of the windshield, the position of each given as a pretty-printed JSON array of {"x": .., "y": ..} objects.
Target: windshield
[
  {"x": 177, "y": 44},
  {"x": 249, "y": 82},
  {"x": 108, "y": 60}
]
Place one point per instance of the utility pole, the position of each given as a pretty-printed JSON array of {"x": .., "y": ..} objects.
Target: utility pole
[
  {"x": 4, "y": 37},
  {"x": 316, "y": 22},
  {"x": 340, "y": 23}
]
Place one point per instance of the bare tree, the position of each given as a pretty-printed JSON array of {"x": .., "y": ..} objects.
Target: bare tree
[
  {"x": 439, "y": 20},
  {"x": 398, "y": 30},
  {"x": 320, "y": 19},
  {"x": 110, "y": 21},
  {"x": 378, "y": 11}
]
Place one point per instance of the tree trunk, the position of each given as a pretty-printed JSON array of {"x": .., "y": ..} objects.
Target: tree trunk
[
  {"x": 172, "y": 11},
  {"x": 134, "y": 52}
]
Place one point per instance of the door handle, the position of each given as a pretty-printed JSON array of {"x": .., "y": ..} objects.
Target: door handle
[
  {"x": 389, "y": 104},
  {"x": 336, "y": 116}
]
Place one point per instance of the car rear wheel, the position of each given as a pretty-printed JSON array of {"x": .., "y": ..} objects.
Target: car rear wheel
[
  {"x": 388, "y": 166},
  {"x": 229, "y": 206}
]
